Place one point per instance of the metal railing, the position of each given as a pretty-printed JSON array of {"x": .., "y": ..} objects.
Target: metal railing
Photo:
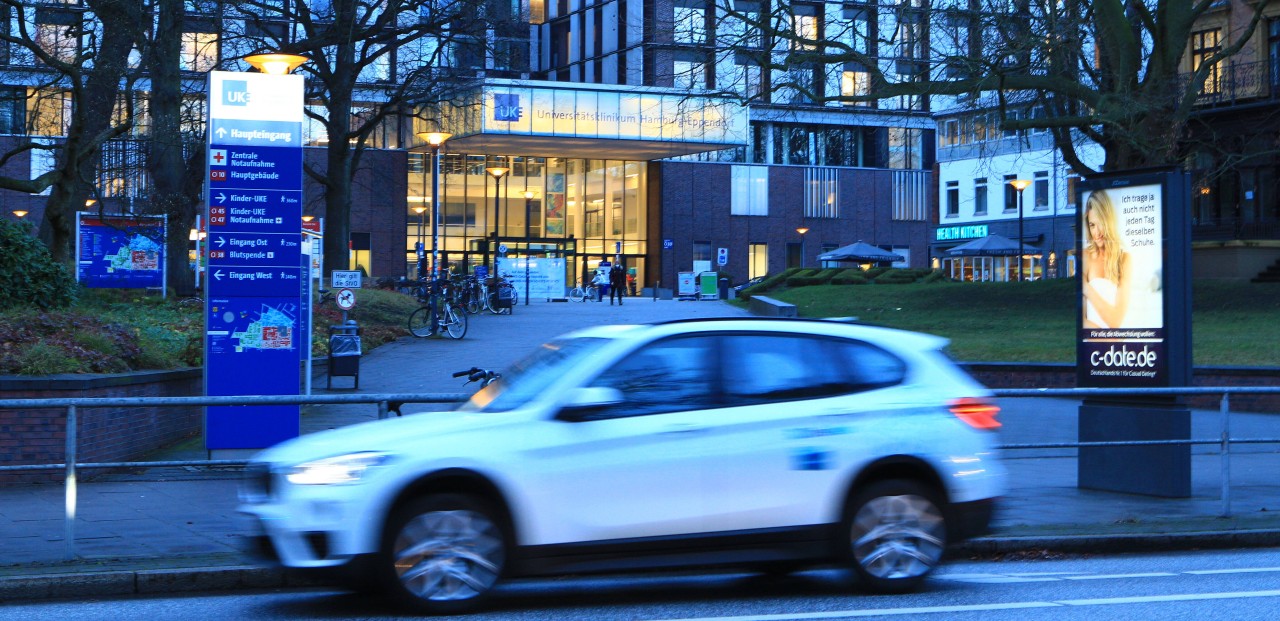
[{"x": 389, "y": 404}]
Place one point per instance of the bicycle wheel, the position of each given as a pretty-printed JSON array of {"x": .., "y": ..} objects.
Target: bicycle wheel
[
  {"x": 421, "y": 322},
  {"x": 576, "y": 294},
  {"x": 455, "y": 322},
  {"x": 474, "y": 304}
]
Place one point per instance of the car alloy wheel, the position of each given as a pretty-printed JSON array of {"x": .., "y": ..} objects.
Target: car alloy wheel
[
  {"x": 447, "y": 552},
  {"x": 897, "y": 535}
]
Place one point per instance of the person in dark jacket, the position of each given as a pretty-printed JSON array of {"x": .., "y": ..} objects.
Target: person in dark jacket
[{"x": 617, "y": 280}]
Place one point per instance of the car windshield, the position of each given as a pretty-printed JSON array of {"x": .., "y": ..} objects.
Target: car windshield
[{"x": 529, "y": 377}]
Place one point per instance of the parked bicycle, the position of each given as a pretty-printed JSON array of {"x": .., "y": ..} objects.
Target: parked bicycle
[
  {"x": 437, "y": 313},
  {"x": 584, "y": 292},
  {"x": 502, "y": 299}
]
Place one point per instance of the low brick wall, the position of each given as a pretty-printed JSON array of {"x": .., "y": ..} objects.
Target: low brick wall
[
  {"x": 38, "y": 436},
  {"x": 1042, "y": 375}
]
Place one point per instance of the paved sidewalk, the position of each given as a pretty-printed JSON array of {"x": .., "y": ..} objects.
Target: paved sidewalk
[{"x": 172, "y": 529}]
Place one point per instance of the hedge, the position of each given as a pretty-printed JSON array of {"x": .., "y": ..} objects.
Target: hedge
[{"x": 767, "y": 283}]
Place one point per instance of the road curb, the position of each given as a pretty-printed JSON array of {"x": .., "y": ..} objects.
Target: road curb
[
  {"x": 1135, "y": 542},
  {"x": 65, "y": 584}
]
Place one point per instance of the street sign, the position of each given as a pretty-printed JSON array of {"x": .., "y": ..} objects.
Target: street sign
[
  {"x": 345, "y": 279},
  {"x": 502, "y": 249},
  {"x": 254, "y": 330},
  {"x": 668, "y": 244},
  {"x": 722, "y": 256},
  {"x": 346, "y": 299}
]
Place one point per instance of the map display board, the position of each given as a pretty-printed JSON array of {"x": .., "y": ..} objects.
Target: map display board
[
  {"x": 120, "y": 252},
  {"x": 255, "y": 331}
]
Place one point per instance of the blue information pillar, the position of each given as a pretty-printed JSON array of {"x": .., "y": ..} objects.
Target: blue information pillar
[{"x": 254, "y": 336}]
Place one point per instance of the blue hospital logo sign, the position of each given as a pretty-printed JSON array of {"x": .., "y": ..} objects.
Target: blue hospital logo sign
[
  {"x": 235, "y": 93},
  {"x": 506, "y": 107}
]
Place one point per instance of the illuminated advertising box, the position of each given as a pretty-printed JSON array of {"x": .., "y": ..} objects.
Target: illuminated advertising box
[{"x": 1134, "y": 318}]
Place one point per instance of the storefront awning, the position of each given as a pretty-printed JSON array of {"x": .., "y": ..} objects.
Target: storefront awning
[{"x": 554, "y": 119}]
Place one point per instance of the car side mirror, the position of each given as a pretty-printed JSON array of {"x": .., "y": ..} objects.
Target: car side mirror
[{"x": 583, "y": 403}]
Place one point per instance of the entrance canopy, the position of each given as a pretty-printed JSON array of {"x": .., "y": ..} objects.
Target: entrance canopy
[
  {"x": 991, "y": 246},
  {"x": 861, "y": 252},
  {"x": 556, "y": 119}
]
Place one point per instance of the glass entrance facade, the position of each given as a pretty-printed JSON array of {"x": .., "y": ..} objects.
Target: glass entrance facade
[{"x": 584, "y": 210}]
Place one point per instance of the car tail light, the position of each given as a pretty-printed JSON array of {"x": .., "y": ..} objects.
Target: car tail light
[{"x": 977, "y": 413}]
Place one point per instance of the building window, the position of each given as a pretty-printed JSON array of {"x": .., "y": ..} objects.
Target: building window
[
  {"x": 690, "y": 22},
  {"x": 199, "y": 51},
  {"x": 702, "y": 251},
  {"x": 749, "y": 81},
  {"x": 750, "y": 191},
  {"x": 1204, "y": 44},
  {"x": 13, "y": 110},
  {"x": 805, "y": 27},
  {"x": 906, "y": 148},
  {"x": 953, "y": 199},
  {"x": 980, "y": 197},
  {"x": 1042, "y": 191},
  {"x": 757, "y": 260},
  {"x": 360, "y": 252},
  {"x": 690, "y": 70},
  {"x": 855, "y": 83},
  {"x": 1273, "y": 49},
  {"x": 1071, "y": 191},
  {"x": 49, "y": 112},
  {"x": 1011, "y": 115},
  {"x": 822, "y": 193},
  {"x": 950, "y": 134},
  {"x": 56, "y": 33},
  {"x": 1010, "y": 194}
]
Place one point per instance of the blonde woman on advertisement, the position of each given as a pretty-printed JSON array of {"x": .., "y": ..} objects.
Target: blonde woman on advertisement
[{"x": 1108, "y": 269}]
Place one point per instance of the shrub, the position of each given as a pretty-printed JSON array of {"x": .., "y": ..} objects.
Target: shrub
[
  {"x": 768, "y": 283},
  {"x": 801, "y": 278},
  {"x": 935, "y": 276},
  {"x": 850, "y": 276},
  {"x": 817, "y": 277},
  {"x": 896, "y": 277},
  {"x": 45, "y": 359},
  {"x": 28, "y": 274}
]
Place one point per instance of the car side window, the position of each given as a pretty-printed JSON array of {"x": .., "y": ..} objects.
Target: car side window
[
  {"x": 760, "y": 368},
  {"x": 866, "y": 366},
  {"x": 670, "y": 375}
]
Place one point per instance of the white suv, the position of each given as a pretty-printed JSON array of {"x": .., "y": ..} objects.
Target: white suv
[{"x": 764, "y": 443}]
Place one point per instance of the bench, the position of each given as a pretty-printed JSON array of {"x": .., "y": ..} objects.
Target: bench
[{"x": 769, "y": 307}]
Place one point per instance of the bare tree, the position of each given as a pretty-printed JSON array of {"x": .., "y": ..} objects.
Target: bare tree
[
  {"x": 370, "y": 66},
  {"x": 1111, "y": 71},
  {"x": 81, "y": 62}
]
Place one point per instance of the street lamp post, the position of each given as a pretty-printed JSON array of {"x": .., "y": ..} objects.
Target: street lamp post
[
  {"x": 435, "y": 140},
  {"x": 419, "y": 249},
  {"x": 802, "y": 230},
  {"x": 528, "y": 256},
  {"x": 1020, "y": 185},
  {"x": 497, "y": 173}
]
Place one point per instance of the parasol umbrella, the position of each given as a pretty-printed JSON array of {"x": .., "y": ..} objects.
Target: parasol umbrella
[{"x": 861, "y": 252}]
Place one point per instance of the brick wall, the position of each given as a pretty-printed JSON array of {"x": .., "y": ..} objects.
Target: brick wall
[{"x": 38, "y": 436}]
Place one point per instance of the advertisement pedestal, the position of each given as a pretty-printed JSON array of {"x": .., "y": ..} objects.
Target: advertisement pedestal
[
  {"x": 1153, "y": 470},
  {"x": 1135, "y": 330}
]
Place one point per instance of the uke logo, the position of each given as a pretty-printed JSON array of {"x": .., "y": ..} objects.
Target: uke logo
[
  {"x": 506, "y": 107},
  {"x": 235, "y": 93}
]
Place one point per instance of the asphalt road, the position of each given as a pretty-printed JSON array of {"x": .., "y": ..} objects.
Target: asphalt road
[{"x": 1215, "y": 585}]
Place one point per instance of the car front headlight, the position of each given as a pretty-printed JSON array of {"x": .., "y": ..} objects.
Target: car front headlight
[{"x": 335, "y": 470}]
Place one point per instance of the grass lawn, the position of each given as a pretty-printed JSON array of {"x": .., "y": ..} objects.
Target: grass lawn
[{"x": 1233, "y": 323}]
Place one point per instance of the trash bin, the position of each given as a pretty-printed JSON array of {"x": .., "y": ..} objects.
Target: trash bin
[
  {"x": 724, "y": 288},
  {"x": 344, "y": 352}
]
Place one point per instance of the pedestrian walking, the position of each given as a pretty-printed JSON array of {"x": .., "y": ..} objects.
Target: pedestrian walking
[{"x": 617, "y": 280}]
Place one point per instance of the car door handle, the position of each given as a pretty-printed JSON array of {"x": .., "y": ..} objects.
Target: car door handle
[{"x": 684, "y": 429}]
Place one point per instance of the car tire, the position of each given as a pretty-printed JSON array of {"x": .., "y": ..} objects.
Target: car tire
[
  {"x": 895, "y": 534},
  {"x": 442, "y": 554}
]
